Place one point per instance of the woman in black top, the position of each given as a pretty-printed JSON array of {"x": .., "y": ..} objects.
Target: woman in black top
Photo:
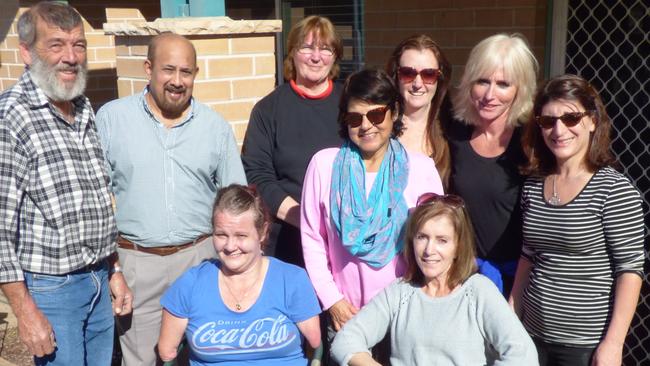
[
  {"x": 494, "y": 98},
  {"x": 291, "y": 124}
]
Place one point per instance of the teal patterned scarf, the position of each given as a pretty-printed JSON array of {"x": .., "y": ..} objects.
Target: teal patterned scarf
[{"x": 370, "y": 229}]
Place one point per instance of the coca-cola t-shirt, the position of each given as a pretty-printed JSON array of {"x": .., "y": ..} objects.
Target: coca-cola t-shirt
[{"x": 265, "y": 334}]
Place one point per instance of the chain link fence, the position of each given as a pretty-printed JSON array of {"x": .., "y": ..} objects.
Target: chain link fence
[{"x": 607, "y": 43}]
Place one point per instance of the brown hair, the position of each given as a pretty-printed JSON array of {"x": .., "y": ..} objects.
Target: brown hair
[
  {"x": 237, "y": 199},
  {"x": 436, "y": 139},
  {"x": 572, "y": 88},
  {"x": 323, "y": 30},
  {"x": 56, "y": 14},
  {"x": 465, "y": 263}
]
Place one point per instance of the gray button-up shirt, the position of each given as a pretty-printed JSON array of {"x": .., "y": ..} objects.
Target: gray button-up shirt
[
  {"x": 55, "y": 205},
  {"x": 165, "y": 179}
]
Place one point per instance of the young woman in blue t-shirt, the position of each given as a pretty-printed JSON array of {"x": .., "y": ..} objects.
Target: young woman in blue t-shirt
[{"x": 242, "y": 306}]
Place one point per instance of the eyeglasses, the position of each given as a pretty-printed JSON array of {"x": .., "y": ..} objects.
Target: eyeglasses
[
  {"x": 448, "y": 199},
  {"x": 569, "y": 119},
  {"x": 408, "y": 74},
  {"x": 375, "y": 116},
  {"x": 308, "y": 49}
]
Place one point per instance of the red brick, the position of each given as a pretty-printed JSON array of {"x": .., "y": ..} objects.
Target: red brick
[
  {"x": 530, "y": 17},
  {"x": 454, "y": 19},
  {"x": 406, "y": 19},
  {"x": 493, "y": 17},
  {"x": 457, "y": 56},
  {"x": 472, "y": 4},
  {"x": 470, "y": 37},
  {"x": 521, "y": 3}
]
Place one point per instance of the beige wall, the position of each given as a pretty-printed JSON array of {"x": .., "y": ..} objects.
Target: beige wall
[
  {"x": 234, "y": 72},
  {"x": 456, "y": 25}
]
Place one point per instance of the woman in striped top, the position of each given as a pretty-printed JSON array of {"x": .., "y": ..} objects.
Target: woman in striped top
[{"x": 578, "y": 280}]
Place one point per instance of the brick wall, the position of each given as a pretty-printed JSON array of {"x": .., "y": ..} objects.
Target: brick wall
[
  {"x": 238, "y": 72},
  {"x": 234, "y": 73},
  {"x": 456, "y": 25},
  {"x": 102, "y": 76}
]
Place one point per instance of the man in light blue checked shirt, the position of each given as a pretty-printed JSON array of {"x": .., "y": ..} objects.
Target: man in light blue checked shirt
[{"x": 167, "y": 156}]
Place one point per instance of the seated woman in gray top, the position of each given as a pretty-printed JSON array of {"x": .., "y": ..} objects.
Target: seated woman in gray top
[{"x": 441, "y": 312}]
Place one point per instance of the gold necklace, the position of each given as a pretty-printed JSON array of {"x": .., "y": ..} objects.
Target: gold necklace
[
  {"x": 554, "y": 200},
  {"x": 238, "y": 302}
]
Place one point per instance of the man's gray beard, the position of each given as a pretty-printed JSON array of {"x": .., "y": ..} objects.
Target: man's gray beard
[{"x": 45, "y": 77}]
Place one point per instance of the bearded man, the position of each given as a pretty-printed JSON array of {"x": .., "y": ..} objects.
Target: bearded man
[
  {"x": 58, "y": 262},
  {"x": 167, "y": 156}
]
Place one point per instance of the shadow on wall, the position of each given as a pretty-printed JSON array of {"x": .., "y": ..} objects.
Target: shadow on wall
[
  {"x": 101, "y": 87},
  {"x": 8, "y": 11}
]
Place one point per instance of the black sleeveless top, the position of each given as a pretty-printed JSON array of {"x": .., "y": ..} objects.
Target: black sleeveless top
[{"x": 491, "y": 188}]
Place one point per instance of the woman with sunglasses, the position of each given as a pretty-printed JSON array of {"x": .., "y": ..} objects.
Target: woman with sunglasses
[
  {"x": 493, "y": 100},
  {"x": 356, "y": 199},
  {"x": 292, "y": 123},
  {"x": 581, "y": 268},
  {"x": 422, "y": 73},
  {"x": 441, "y": 312}
]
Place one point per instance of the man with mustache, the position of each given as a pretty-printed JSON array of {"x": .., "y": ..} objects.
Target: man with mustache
[
  {"x": 167, "y": 156},
  {"x": 58, "y": 262}
]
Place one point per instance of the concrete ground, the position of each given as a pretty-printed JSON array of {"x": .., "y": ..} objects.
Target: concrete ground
[{"x": 9, "y": 344}]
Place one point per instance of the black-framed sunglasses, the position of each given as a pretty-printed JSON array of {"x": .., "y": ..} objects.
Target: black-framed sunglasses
[
  {"x": 448, "y": 199},
  {"x": 569, "y": 119},
  {"x": 375, "y": 116},
  {"x": 408, "y": 74}
]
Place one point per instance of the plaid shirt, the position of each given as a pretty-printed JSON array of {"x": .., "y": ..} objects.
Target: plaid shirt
[{"x": 55, "y": 207}]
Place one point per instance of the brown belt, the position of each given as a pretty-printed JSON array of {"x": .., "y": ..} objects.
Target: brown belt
[{"x": 161, "y": 251}]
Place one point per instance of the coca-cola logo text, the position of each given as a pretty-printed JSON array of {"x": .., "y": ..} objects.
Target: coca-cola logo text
[{"x": 264, "y": 334}]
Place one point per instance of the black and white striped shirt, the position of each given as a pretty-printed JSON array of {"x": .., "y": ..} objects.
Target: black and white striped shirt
[
  {"x": 577, "y": 250},
  {"x": 55, "y": 207}
]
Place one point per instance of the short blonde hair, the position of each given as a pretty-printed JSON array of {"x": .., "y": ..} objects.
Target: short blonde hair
[
  {"x": 324, "y": 31},
  {"x": 520, "y": 67}
]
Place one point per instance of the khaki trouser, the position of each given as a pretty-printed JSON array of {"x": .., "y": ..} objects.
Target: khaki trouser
[{"x": 149, "y": 276}]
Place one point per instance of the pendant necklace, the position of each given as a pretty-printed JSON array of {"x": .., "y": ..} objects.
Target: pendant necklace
[
  {"x": 554, "y": 200},
  {"x": 239, "y": 301}
]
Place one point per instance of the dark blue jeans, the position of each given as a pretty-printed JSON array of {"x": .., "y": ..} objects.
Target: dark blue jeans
[{"x": 78, "y": 306}]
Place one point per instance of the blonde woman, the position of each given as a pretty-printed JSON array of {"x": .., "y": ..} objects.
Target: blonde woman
[{"x": 493, "y": 100}]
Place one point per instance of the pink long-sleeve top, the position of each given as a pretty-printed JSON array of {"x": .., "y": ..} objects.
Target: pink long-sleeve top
[{"x": 334, "y": 272}]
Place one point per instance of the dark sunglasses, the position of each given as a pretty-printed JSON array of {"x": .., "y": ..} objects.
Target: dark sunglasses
[
  {"x": 448, "y": 199},
  {"x": 408, "y": 74},
  {"x": 375, "y": 116},
  {"x": 569, "y": 119}
]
